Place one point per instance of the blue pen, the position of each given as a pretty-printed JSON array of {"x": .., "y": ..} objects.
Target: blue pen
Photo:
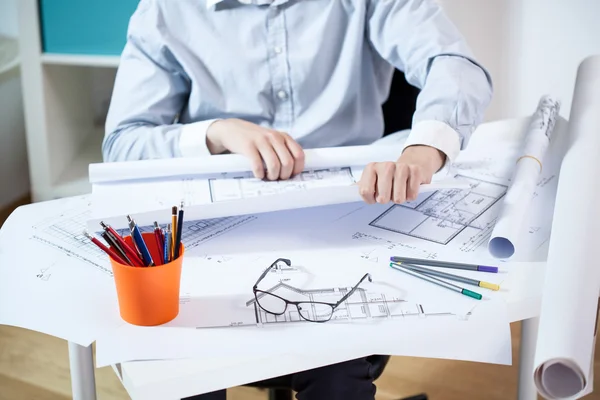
[
  {"x": 139, "y": 242},
  {"x": 167, "y": 245}
]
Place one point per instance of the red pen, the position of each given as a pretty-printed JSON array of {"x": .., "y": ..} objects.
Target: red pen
[
  {"x": 106, "y": 249},
  {"x": 159, "y": 244},
  {"x": 130, "y": 252}
]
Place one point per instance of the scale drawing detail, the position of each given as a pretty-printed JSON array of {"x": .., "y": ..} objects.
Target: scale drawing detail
[
  {"x": 440, "y": 216},
  {"x": 243, "y": 186},
  {"x": 362, "y": 305}
]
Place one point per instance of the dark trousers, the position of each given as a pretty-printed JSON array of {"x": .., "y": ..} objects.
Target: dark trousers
[{"x": 350, "y": 380}]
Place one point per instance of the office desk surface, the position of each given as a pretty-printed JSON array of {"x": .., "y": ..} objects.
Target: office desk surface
[{"x": 173, "y": 379}]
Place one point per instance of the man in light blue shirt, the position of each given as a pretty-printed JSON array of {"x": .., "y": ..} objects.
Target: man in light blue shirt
[{"x": 268, "y": 78}]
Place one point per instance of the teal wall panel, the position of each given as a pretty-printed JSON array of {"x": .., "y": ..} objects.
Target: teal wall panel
[{"x": 93, "y": 27}]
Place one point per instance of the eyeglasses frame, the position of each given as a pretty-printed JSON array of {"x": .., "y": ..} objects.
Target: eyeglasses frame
[{"x": 288, "y": 262}]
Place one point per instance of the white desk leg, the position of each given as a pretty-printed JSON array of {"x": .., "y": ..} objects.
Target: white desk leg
[
  {"x": 529, "y": 331},
  {"x": 83, "y": 381}
]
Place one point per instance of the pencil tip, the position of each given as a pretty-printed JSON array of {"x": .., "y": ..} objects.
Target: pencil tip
[{"x": 174, "y": 209}]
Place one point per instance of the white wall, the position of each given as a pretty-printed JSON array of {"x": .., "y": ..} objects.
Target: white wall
[
  {"x": 14, "y": 173},
  {"x": 530, "y": 47},
  {"x": 8, "y": 18},
  {"x": 549, "y": 39}
]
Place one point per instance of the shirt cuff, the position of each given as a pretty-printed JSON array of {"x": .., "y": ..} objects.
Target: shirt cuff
[
  {"x": 192, "y": 141},
  {"x": 438, "y": 135}
]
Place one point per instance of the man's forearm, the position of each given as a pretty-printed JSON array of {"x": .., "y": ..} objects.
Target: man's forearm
[
  {"x": 139, "y": 142},
  {"x": 451, "y": 104}
]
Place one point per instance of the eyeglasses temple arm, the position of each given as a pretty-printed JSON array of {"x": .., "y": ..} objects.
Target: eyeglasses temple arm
[
  {"x": 340, "y": 301},
  {"x": 266, "y": 271}
]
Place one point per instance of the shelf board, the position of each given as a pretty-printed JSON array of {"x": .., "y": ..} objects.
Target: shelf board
[
  {"x": 80, "y": 60},
  {"x": 75, "y": 180}
]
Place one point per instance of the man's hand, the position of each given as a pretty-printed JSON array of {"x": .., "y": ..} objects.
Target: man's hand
[
  {"x": 282, "y": 156},
  {"x": 399, "y": 181}
]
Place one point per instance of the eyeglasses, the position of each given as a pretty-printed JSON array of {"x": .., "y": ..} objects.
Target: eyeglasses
[{"x": 312, "y": 311}]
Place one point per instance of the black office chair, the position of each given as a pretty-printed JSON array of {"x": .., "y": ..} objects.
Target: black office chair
[{"x": 397, "y": 114}]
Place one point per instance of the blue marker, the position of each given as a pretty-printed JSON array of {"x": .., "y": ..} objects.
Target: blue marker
[
  {"x": 139, "y": 243},
  {"x": 167, "y": 244}
]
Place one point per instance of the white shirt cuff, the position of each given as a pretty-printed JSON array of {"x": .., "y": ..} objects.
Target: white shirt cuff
[
  {"x": 438, "y": 135},
  {"x": 192, "y": 141}
]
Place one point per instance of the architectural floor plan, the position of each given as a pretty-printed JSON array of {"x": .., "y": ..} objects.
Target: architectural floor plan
[{"x": 442, "y": 215}]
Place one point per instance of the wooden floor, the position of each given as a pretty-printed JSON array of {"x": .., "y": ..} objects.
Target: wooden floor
[{"x": 34, "y": 366}]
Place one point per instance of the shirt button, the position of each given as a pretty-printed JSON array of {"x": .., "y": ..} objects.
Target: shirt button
[
  {"x": 282, "y": 95},
  {"x": 277, "y": 50}
]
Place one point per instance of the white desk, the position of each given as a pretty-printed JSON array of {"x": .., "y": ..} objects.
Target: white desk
[{"x": 174, "y": 379}]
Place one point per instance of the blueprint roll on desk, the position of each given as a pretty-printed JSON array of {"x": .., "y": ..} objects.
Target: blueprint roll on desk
[{"x": 187, "y": 377}]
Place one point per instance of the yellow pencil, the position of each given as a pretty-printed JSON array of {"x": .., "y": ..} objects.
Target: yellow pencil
[{"x": 173, "y": 231}]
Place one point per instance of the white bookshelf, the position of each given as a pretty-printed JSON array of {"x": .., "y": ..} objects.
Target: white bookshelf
[{"x": 63, "y": 134}]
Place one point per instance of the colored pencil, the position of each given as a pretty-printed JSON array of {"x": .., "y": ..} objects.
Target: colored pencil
[
  {"x": 446, "y": 275},
  {"x": 179, "y": 230},
  {"x": 436, "y": 281},
  {"x": 444, "y": 264},
  {"x": 112, "y": 253}
]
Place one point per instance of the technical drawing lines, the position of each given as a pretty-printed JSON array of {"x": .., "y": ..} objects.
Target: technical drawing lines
[
  {"x": 362, "y": 305},
  {"x": 440, "y": 216},
  {"x": 236, "y": 187},
  {"x": 380, "y": 243},
  {"x": 65, "y": 233},
  {"x": 199, "y": 231}
]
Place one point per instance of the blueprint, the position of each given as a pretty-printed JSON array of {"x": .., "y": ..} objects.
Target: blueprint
[
  {"x": 331, "y": 178},
  {"x": 362, "y": 305},
  {"x": 453, "y": 224},
  {"x": 442, "y": 215}
]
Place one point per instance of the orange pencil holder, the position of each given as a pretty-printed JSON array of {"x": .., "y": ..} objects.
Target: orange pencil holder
[{"x": 148, "y": 296}]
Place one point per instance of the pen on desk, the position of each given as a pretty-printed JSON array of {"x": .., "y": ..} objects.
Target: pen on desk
[
  {"x": 468, "y": 281},
  {"x": 444, "y": 264},
  {"x": 167, "y": 244},
  {"x": 138, "y": 240},
  {"x": 179, "y": 229},
  {"x": 106, "y": 249},
  {"x": 159, "y": 245},
  {"x": 173, "y": 231},
  {"x": 436, "y": 281},
  {"x": 130, "y": 253}
]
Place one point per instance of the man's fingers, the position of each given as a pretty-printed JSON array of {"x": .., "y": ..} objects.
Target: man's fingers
[
  {"x": 400, "y": 181},
  {"x": 297, "y": 153},
  {"x": 385, "y": 177},
  {"x": 415, "y": 178},
  {"x": 366, "y": 186},
  {"x": 286, "y": 159},
  {"x": 270, "y": 158},
  {"x": 258, "y": 168}
]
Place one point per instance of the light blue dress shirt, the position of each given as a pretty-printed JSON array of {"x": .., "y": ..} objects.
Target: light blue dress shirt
[{"x": 316, "y": 69}]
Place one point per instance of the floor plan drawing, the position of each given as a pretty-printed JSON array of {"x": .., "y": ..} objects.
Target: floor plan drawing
[
  {"x": 65, "y": 233},
  {"x": 362, "y": 305},
  {"x": 243, "y": 186},
  {"x": 442, "y": 215}
]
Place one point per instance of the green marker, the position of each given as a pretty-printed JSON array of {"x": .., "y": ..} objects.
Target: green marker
[{"x": 436, "y": 281}]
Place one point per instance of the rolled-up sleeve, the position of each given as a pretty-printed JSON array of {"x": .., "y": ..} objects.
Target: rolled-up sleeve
[
  {"x": 418, "y": 38},
  {"x": 150, "y": 90}
]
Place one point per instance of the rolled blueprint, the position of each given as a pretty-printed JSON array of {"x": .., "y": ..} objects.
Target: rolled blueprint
[
  {"x": 564, "y": 359},
  {"x": 509, "y": 226}
]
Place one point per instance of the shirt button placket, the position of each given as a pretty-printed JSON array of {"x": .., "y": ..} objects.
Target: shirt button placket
[{"x": 279, "y": 69}]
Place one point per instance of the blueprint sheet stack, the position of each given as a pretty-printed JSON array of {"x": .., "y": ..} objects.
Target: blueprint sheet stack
[{"x": 237, "y": 226}]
